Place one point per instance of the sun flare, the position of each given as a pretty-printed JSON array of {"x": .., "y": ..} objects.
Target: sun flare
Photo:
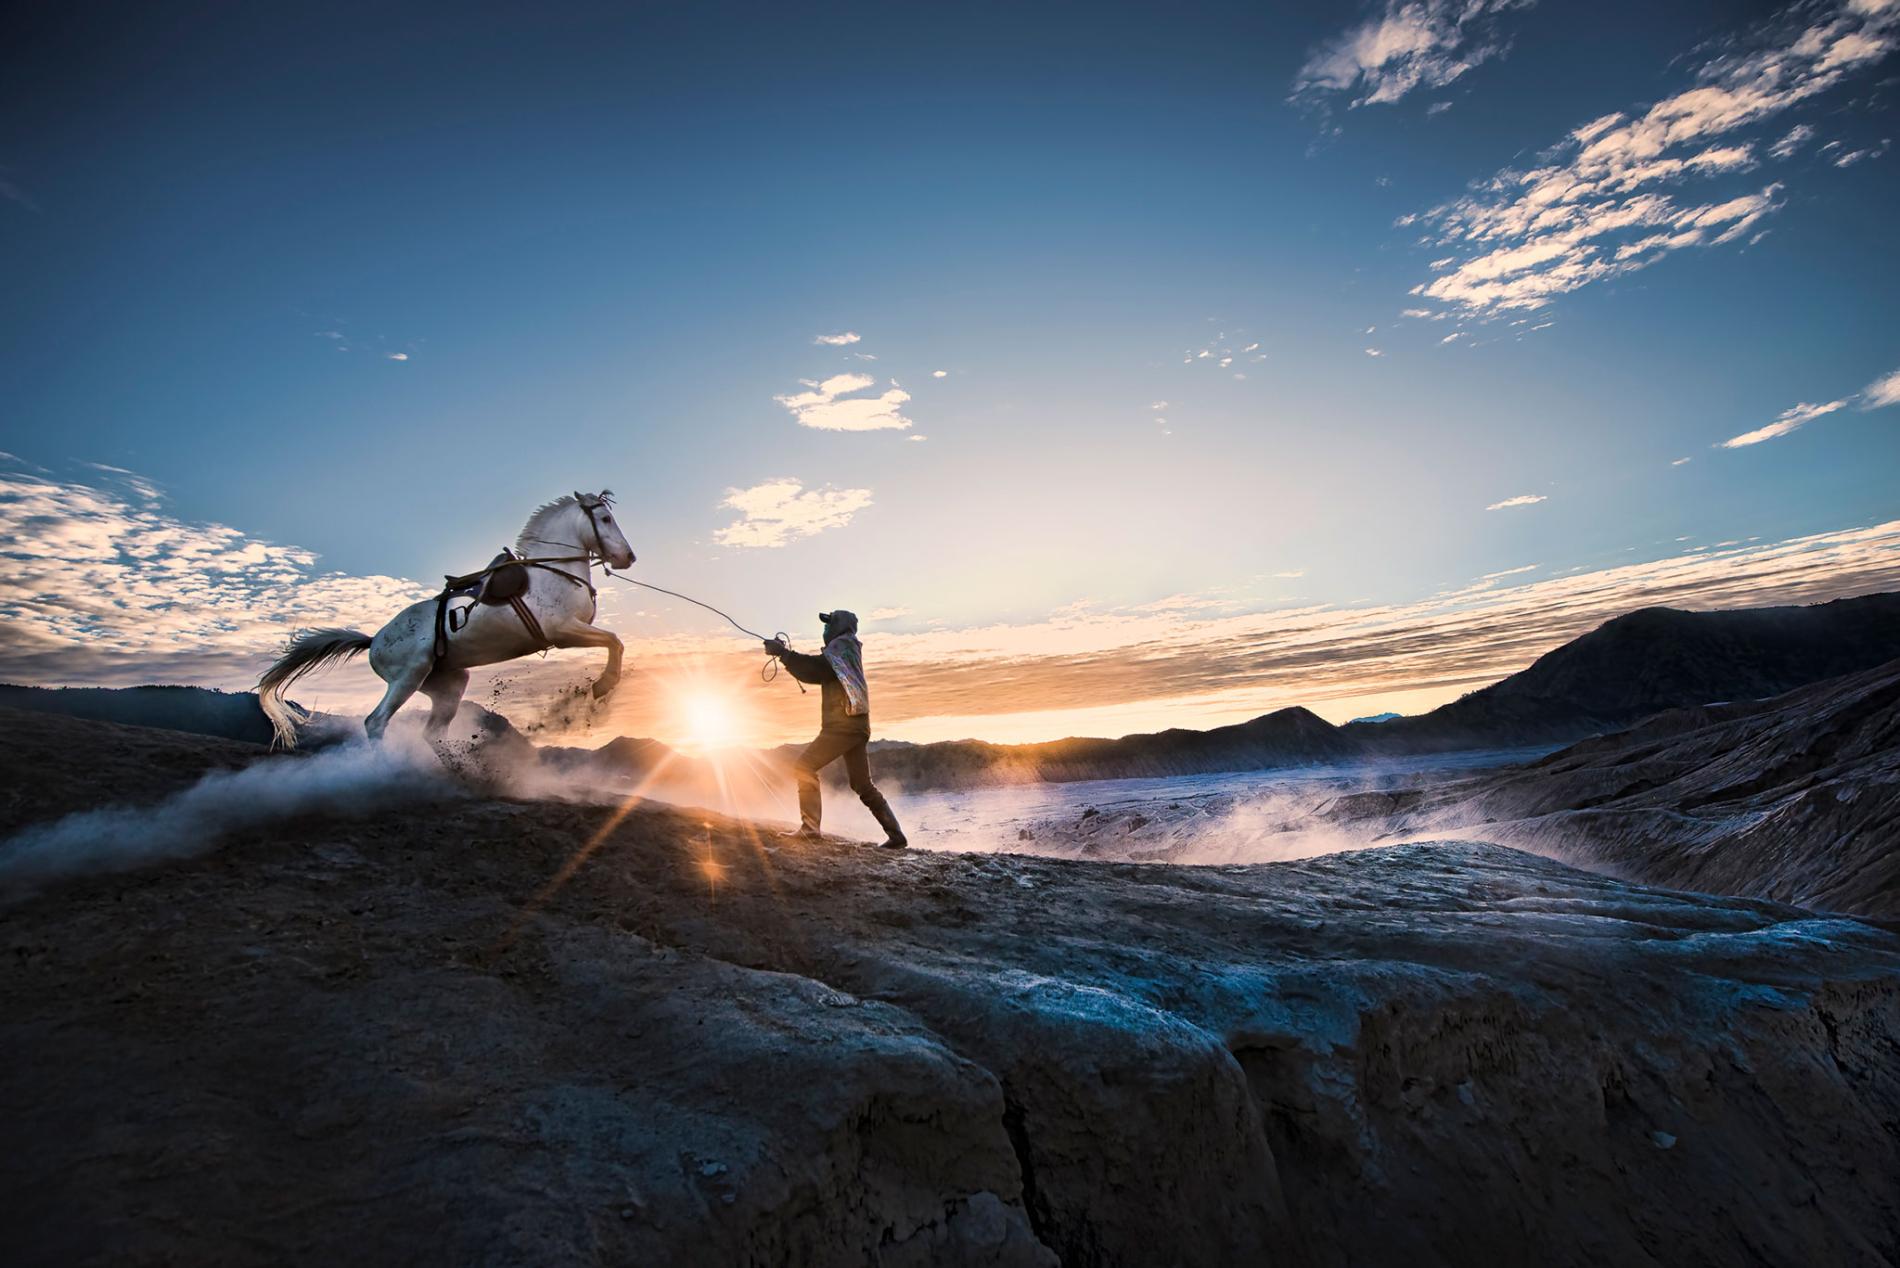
[{"x": 708, "y": 720}]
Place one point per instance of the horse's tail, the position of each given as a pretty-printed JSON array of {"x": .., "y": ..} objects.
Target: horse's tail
[{"x": 307, "y": 650}]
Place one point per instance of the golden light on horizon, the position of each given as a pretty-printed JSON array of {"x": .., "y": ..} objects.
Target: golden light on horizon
[{"x": 709, "y": 718}]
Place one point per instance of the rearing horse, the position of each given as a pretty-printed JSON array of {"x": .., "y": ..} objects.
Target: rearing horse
[{"x": 419, "y": 650}]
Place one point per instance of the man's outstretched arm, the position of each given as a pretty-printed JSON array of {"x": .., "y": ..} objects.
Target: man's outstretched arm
[{"x": 812, "y": 669}]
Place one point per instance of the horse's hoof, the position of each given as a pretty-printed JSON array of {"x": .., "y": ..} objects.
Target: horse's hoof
[{"x": 602, "y": 688}]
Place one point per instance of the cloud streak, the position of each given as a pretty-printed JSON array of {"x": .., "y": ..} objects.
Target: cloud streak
[
  {"x": 95, "y": 573},
  {"x": 778, "y": 512},
  {"x": 839, "y": 404},
  {"x": 1522, "y": 499},
  {"x": 1789, "y": 420},
  {"x": 1883, "y": 391},
  {"x": 103, "y": 586},
  {"x": 1401, "y": 48},
  {"x": 1604, "y": 201}
]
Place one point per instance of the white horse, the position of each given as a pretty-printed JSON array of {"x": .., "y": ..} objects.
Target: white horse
[{"x": 558, "y": 545}]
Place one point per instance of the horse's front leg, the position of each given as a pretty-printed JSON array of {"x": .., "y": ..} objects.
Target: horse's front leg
[{"x": 594, "y": 636}]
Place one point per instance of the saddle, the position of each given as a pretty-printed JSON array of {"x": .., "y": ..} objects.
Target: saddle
[
  {"x": 505, "y": 578},
  {"x": 504, "y": 581}
]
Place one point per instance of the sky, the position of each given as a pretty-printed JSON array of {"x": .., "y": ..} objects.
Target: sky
[{"x": 1124, "y": 367}]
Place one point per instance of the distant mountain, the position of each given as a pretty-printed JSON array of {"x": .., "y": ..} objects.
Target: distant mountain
[
  {"x": 1654, "y": 659},
  {"x": 1376, "y": 718},
  {"x": 1796, "y": 798},
  {"x": 1288, "y": 737},
  {"x": 198, "y": 710},
  {"x": 1623, "y": 671}
]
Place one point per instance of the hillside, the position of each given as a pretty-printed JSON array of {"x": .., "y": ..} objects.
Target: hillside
[
  {"x": 1795, "y": 798},
  {"x": 389, "y": 1027},
  {"x": 198, "y": 710},
  {"x": 1650, "y": 660},
  {"x": 1623, "y": 671}
]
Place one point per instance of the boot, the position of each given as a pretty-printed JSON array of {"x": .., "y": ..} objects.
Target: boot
[
  {"x": 811, "y": 811},
  {"x": 894, "y": 838}
]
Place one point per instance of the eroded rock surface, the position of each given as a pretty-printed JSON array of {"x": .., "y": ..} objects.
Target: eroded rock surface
[
  {"x": 397, "y": 1038},
  {"x": 1796, "y": 798}
]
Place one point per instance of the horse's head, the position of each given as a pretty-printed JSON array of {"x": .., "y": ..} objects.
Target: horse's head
[{"x": 603, "y": 534}]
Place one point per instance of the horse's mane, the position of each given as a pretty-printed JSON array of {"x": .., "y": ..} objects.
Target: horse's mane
[{"x": 541, "y": 522}]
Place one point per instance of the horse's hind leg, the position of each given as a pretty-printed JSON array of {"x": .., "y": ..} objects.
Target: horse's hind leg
[
  {"x": 444, "y": 688},
  {"x": 403, "y": 685}
]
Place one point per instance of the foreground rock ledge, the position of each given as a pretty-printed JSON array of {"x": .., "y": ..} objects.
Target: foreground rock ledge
[{"x": 387, "y": 1040}]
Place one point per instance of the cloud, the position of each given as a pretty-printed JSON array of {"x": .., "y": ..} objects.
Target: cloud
[
  {"x": 838, "y": 341},
  {"x": 1788, "y": 421},
  {"x": 1681, "y": 462},
  {"x": 98, "y": 576},
  {"x": 102, "y": 587},
  {"x": 1603, "y": 201},
  {"x": 917, "y": 437},
  {"x": 1882, "y": 391},
  {"x": 1291, "y": 574},
  {"x": 783, "y": 510},
  {"x": 1796, "y": 137},
  {"x": 398, "y": 356},
  {"x": 887, "y": 614},
  {"x": 834, "y": 405},
  {"x": 1403, "y": 47},
  {"x": 940, "y": 374},
  {"x": 1374, "y": 352},
  {"x": 1509, "y": 572},
  {"x": 1854, "y": 156},
  {"x": 1522, "y": 499}
]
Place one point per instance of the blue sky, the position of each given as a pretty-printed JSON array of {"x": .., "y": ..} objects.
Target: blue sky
[{"x": 370, "y": 285}]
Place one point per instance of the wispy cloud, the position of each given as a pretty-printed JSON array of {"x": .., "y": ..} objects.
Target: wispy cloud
[
  {"x": 1788, "y": 421},
  {"x": 98, "y": 576},
  {"x": 1404, "y": 46},
  {"x": 1792, "y": 140},
  {"x": 1599, "y": 203},
  {"x": 1882, "y": 391},
  {"x": 1509, "y": 572},
  {"x": 887, "y": 614},
  {"x": 98, "y": 585},
  {"x": 940, "y": 374},
  {"x": 398, "y": 356},
  {"x": 1855, "y": 156},
  {"x": 783, "y": 510},
  {"x": 838, "y": 341},
  {"x": 1522, "y": 499},
  {"x": 837, "y": 404}
]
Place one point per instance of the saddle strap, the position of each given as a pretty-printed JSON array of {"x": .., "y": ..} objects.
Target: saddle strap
[{"x": 526, "y": 614}]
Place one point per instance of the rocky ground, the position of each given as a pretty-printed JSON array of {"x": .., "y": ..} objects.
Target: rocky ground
[
  {"x": 475, "y": 1030},
  {"x": 1795, "y": 798}
]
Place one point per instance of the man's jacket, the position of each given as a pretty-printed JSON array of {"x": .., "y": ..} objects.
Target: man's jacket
[{"x": 836, "y": 708}]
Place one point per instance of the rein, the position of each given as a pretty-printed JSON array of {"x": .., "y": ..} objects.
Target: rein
[{"x": 767, "y": 672}]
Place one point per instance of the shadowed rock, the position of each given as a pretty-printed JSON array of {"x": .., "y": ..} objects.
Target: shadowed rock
[{"x": 392, "y": 1037}]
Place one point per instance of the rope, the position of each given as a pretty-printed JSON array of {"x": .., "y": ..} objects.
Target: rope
[{"x": 767, "y": 672}]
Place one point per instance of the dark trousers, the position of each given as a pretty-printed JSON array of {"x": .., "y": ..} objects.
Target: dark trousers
[{"x": 854, "y": 748}]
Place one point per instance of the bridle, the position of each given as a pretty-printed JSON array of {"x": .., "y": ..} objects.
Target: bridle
[
  {"x": 588, "y": 555},
  {"x": 598, "y": 504}
]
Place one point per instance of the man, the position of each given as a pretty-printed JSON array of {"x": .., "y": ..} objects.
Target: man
[{"x": 846, "y": 725}]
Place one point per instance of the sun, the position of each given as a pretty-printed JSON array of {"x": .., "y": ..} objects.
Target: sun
[{"x": 710, "y": 720}]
